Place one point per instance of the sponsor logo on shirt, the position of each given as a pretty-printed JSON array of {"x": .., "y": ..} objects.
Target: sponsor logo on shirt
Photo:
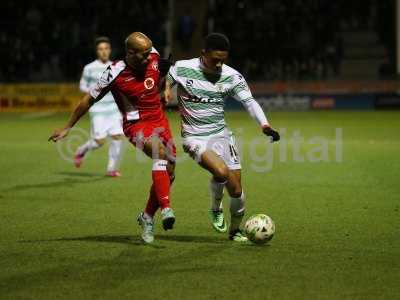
[
  {"x": 243, "y": 86},
  {"x": 108, "y": 74},
  {"x": 195, "y": 99},
  {"x": 189, "y": 82}
]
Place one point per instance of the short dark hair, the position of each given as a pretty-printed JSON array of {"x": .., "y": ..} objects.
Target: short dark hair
[
  {"x": 216, "y": 41},
  {"x": 101, "y": 39}
]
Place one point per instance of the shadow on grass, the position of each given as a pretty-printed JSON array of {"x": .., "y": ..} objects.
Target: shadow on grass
[
  {"x": 81, "y": 174},
  {"x": 120, "y": 239},
  {"x": 133, "y": 263},
  {"x": 192, "y": 239},
  {"x": 60, "y": 183},
  {"x": 135, "y": 239}
]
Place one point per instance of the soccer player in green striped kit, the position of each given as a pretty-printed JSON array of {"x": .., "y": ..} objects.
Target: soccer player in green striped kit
[{"x": 203, "y": 85}]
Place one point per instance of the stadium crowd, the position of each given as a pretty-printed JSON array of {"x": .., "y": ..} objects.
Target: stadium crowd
[
  {"x": 48, "y": 40},
  {"x": 286, "y": 39}
]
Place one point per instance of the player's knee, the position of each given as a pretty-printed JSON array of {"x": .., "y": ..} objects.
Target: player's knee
[
  {"x": 156, "y": 150},
  {"x": 100, "y": 142},
  {"x": 117, "y": 137},
  {"x": 162, "y": 154},
  {"x": 234, "y": 188},
  {"x": 236, "y": 192},
  {"x": 221, "y": 173}
]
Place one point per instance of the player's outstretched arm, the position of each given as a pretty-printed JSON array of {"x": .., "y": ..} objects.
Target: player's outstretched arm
[
  {"x": 242, "y": 93},
  {"x": 258, "y": 114},
  {"x": 164, "y": 64},
  {"x": 82, "y": 107}
]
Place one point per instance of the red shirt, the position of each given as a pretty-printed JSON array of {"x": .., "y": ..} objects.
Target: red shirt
[{"x": 136, "y": 93}]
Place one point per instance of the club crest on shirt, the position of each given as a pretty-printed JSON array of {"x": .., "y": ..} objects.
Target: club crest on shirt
[
  {"x": 154, "y": 65},
  {"x": 149, "y": 83},
  {"x": 220, "y": 88}
]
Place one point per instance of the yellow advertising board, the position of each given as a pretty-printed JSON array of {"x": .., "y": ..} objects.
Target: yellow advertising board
[
  {"x": 64, "y": 96},
  {"x": 38, "y": 97}
]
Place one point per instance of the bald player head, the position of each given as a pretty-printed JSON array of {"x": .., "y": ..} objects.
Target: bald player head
[{"x": 138, "y": 47}]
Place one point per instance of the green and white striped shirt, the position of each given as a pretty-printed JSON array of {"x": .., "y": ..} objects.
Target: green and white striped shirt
[
  {"x": 91, "y": 73},
  {"x": 201, "y": 96}
]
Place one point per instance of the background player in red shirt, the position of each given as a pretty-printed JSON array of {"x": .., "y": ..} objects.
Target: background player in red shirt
[{"x": 134, "y": 84}]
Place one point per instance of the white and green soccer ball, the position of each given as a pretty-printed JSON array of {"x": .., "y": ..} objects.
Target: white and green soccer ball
[{"x": 259, "y": 228}]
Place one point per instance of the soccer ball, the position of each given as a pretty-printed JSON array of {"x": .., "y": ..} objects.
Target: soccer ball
[{"x": 259, "y": 228}]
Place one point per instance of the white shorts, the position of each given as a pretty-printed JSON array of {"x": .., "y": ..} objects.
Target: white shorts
[
  {"x": 103, "y": 125},
  {"x": 223, "y": 144}
]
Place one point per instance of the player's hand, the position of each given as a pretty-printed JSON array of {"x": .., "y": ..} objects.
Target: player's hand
[
  {"x": 59, "y": 134},
  {"x": 167, "y": 93},
  {"x": 164, "y": 64},
  {"x": 268, "y": 131}
]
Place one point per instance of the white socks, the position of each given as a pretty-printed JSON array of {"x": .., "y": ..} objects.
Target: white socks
[
  {"x": 217, "y": 193},
  {"x": 114, "y": 152},
  {"x": 89, "y": 145},
  {"x": 237, "y": 205},
  {"x": 237, "y": 209},
  {"x": 114, "y": 155},
  {"x": 147, "y": 217},
  {"x": 159, "y": 165}
]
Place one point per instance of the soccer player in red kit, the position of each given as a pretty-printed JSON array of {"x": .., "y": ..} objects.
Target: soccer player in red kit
[{"x": 134, "y": 84}]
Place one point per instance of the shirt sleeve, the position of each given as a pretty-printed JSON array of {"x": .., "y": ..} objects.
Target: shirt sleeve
[
  {"x": 256, "y": 112},
  {"x": 84, "y": 82},
  {"x": 103, "y": 85},
  {"x": 241, "y": 92},
  {"x": 154, "y": 51}
]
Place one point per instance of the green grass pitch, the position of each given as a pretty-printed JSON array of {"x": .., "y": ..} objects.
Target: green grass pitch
[{"x": 72, "y": 233}]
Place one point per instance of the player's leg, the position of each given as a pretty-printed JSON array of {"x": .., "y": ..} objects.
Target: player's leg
[
  {"x": 90, "y": 144},
  {"x": 225, "y": 155},
  {"x": 114, "y": 155},
  {"x": 152, "y": 202},
  {"x": 170, "y": 148},
  {"x": 116, "y": 134},
  {"x": 217, "y": 167},
  {"x": 141, "y": 135},
  {"x": 237, "y": 205},
  {"x": 156, "y": 150},
  {"x": 213, "y": 163},
  {"x": 159, "y": 192},
  {"x": 164, "y": 136},
  {"x": 97, "y": 139},
  {"x": 146, "y": 218},
  {"x": 217, "y": 194},
  {"x": 233, "y": 185}
]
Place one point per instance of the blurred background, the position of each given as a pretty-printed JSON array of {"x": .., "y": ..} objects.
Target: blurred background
[{"x": 297, "y": 55}]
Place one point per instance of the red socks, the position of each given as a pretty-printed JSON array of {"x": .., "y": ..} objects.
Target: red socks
[{"x": 159, "y": 193}]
